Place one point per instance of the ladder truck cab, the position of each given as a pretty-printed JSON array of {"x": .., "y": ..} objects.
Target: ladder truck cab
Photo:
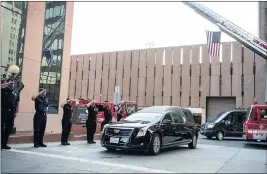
[
  {"x": 255, "y": 124},
  {"x": 127, "y": 108}
]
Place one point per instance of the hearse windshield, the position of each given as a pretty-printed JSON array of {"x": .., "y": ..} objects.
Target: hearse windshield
[
  {"x": 147, "y": 117},
  {"x": 248, "y": 114}
]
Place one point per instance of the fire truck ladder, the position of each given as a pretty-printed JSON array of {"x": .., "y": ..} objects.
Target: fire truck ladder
[{"x": 252, "y": 42}]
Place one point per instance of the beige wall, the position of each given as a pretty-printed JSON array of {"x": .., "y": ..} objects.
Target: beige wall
[
  {"x": 31, "y": 67},
  {"x": 156, "y": 76}
]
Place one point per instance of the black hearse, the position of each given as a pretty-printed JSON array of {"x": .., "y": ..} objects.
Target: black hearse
[{"x": 151, "y": 129}]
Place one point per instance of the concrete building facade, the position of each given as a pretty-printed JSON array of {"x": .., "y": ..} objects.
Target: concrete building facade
[
  {"x": 44, "y": 54},
  {"x": 157, "y": 77}
]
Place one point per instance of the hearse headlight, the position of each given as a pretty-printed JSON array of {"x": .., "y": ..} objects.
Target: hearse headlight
[
  {"x": 142, "y": 132},
  {"x": 210, "y": 126}
]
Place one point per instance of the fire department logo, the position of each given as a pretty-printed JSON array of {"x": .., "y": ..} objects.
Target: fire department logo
[
  {"x": 261, "y": 127},
  {"x": 116, "y": 131}
]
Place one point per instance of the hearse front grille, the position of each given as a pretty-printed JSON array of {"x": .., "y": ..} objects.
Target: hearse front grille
[{"x": 119, "y": 131}]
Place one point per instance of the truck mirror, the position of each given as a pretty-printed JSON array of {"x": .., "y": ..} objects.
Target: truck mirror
[{"x": 258, "y": 114}]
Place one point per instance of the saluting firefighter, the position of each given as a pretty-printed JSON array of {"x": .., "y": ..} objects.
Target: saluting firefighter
[
  {"x": 66, "y": 121},
  {"x": 91, "y": 122},
  {"x": 40, "y": 117},
  {"x": 9, "y": 108},
  {"x": 107, "y": 115}
]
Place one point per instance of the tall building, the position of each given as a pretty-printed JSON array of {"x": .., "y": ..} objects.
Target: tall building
[
  {"x": 36, "y": 36},
  {"x": 263, "y": 20}
]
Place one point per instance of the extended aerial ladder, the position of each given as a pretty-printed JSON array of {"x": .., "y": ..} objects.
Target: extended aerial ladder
[{"x": 252, "y": 42}]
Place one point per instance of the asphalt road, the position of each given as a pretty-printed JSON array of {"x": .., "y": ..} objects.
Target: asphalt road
[{"x": 211, "y": 156}]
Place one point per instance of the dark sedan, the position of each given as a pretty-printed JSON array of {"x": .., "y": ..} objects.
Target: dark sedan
[{"x": 152, "y": 129}]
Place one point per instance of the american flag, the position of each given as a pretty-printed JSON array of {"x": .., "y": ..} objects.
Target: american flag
[{"x": 213, "y": 42}]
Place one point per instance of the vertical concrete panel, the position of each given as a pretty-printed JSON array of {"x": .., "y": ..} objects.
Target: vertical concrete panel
[
  {"x": 248, "y": 77},
  {"x": 113, "y": 60},
  {"x": 142, "y": 63},
  {"x": 73, "y": 67},
  {"x": 186, "y": 61},
  {"x": 111, "y": 88},
  {"x": 150, "y": 83},
  {"x": 167, "y": 81},
  {"x": 237, "y": 72},
  {"x": 177, "y": 56},
  {"x": 120, "y": 60},
  {"x": 141, "y": 91},
  {"x": 134, "y": 75},
  {"x": 150, "y": 63},
  {"x": 168, "y": 56},
  {"x": 149, "y": 91},
  {"x": 126, "y": 75},
  {"x": 92, "y": 64},
  {"x": 119, "y": 71},
  {"x": 85, "y": 76},
  {"x": 205, "y": 77},
  {"x": 260, "y": 81},
  {"x": 71, "y": 88},
  {"x": 79, "y": 67},
  {"x": 215, "y": 76},
  {"x": 98, "y": 76},
  {"x": 226, "y": 83},
  {"x": 167, "y": 75},
  {"x": 176, "y": 86},
  {"x": 186, "y": 77},
  {"x": 78, "y": 88},
  {"x": 105, "y": 75},
  {"x": 158, "y": 77},
  {"x": 195, "y": 68},
  {"x": 185, "y": 91},
  {"x": 166, "y": 100}
]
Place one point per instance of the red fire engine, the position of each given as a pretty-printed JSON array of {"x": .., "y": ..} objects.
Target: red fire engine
[{"x": 255, "y": 124}]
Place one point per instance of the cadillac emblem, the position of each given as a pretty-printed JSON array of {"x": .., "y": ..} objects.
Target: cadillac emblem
[
  {"x": 261, "y": 127},
  {"x": 116, "y": 131}
]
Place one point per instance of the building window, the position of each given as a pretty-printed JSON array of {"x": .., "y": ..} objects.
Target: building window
[
  {"x": 14, "y": 14},
  {"x": 51, "y": 59}
]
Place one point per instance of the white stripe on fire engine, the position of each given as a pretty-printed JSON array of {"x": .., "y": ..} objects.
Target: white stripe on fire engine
[{"x": 256, "y": 131}]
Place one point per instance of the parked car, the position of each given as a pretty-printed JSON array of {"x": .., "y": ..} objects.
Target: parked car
[
  {"x": 151, "y": 129},
  {"x": 225, "y": 124}
]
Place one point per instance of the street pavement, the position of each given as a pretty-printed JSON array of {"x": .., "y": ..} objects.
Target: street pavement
[{"x": 211, "y": 156}]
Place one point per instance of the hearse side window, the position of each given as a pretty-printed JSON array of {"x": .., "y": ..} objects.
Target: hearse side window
[
  {"x": 177, "y": 118},
  {"x": 229, "y": 118},
  {"x": 168, "y": 117},
  {"x": 240, "y": 117},
  {"x": 187, "y": 116}
]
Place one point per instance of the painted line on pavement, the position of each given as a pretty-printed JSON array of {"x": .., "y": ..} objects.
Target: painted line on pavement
[{"x": 110, "y": 164}]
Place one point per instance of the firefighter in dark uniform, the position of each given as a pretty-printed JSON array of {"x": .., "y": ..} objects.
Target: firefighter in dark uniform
[
  {"x": 66, "y": 121},
  {"x": 40, "y": 117},
  {"x": 107, "y": 115},
  {"x": 91, "y": 122},
  {"x": 9, "y": 108},
  {"x": 119, "y": 113}
]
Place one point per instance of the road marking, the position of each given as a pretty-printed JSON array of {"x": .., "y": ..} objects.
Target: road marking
[{"x": 110, "y": 164}]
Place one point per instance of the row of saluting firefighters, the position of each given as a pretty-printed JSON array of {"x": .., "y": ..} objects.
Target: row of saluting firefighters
[{"x": 9, "y": 109}]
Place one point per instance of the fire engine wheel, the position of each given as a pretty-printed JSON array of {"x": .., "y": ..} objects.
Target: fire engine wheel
[{"x": 219, "y": 135}]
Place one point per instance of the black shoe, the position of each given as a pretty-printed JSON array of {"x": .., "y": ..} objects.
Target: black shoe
[
  {"x": 64, "y": 143},
  {"x": 6, "y": 147},
  {"x": 36, "y": 145},
  {"x": 89, "y": 142},
  {"x": 93, "y": 142},
  {"x": 42, "y": 145},
  {"x": 67, "y": 143}
]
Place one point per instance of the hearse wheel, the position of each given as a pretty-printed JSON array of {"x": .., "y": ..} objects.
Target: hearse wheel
[
  {"x": 219, "y": 135},
  {"x": 193, "y": 144},
  {"x": 155, "y": 145}
]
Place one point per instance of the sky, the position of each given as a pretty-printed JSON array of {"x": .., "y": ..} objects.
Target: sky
[{"x": 116, "y": 26}]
